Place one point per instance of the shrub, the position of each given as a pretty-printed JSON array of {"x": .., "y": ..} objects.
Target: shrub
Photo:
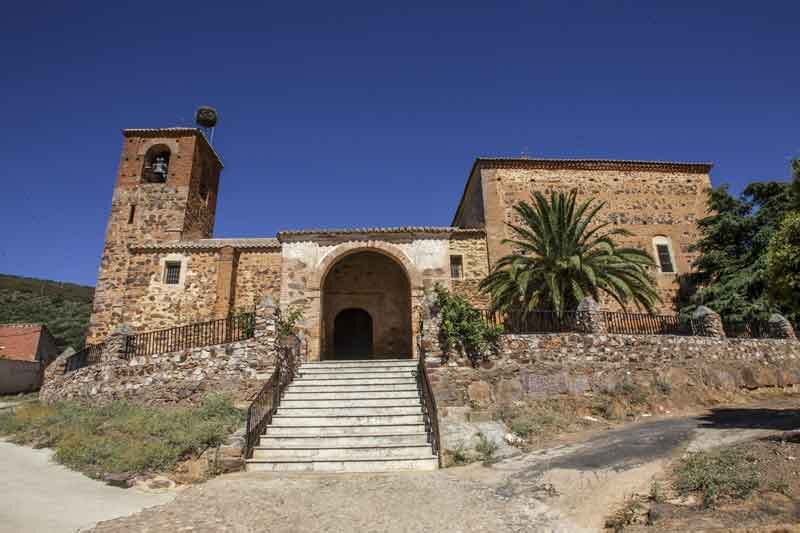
[
  {"x": 626, "y": 515},
  {"x": 727, "y": 473},
  {"x": 122, "y": 437},
  {"x": 523, "y": 427},
  {"x": 485, "y": 448},
  {"x": 463, "y": 328},
  {"x": 285, "y": 323}
]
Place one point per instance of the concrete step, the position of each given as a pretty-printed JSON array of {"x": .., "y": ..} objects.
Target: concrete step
[
  {"x": 357, "y": 441},
  {"x": 325, "y": 371},
  {"x": 349, "y": 411},
  {"x": 331, "y": 401},
  {"x": 280, "y": 420},
  {"x": 371, "y": 363},
  {"x": 307, "y": 388},
  {"x": 305, "y": 382},
  {"x": 421, "y": 451},
  {"x": 328, "y": 430},
  {"x": 339, "y": 394},
  {"x": 353, "y": 375},
  {"x": 351, "y": 465}
]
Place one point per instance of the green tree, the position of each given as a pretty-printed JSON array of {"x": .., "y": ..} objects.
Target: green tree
[
  {"x": 731, "y": 272},
  {"x": 562, "y": 255},
  {"x": 783, "y": 267},
  {"x": 796, "y": 183}
]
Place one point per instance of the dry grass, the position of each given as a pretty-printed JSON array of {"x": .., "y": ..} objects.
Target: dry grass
[{"x": 121, "y": 437}]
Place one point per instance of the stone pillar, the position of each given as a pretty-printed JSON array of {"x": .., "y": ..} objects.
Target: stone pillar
[
  {"x": 707, "y": 323},
  {"x": 590, "y": 317},
  {"x": 115, "y": 343},
  {"x": 265, "y": 332},
  {"x": 226, "y": 272},
  {"x": 430, "y": 347},
  {"x": 780, "y": 328}
]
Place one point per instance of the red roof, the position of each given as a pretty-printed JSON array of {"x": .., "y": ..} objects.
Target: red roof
[{"x": 20, "y": 341}]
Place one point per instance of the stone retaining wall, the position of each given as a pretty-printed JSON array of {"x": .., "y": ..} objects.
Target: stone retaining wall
[
  {"x": 171, "y": 378},
  {"x": 181, "y": 377},
  {"x": 535, "y": 367}
]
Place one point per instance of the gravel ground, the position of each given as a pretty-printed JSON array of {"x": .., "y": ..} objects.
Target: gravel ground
[
  {"x": 567, "y": 488},
  {"x": 426, "y": 501}
]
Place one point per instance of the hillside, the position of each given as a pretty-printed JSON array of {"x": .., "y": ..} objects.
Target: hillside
[{"x": 64, "y": 307}]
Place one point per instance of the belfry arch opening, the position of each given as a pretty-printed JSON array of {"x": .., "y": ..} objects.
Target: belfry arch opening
[{"x": 366, "y": 308}]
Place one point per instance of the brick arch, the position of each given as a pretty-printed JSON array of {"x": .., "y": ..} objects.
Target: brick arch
[{"x": 343, "y": 250}]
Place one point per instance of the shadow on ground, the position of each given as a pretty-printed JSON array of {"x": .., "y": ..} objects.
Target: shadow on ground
[{"x": 758, "y": 418}]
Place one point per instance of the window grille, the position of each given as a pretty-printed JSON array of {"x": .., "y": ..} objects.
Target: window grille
[
  {"x": 172, "y": 273},
  {"x": 456, "y": 267},
  {"x": 664, "y": 258}
]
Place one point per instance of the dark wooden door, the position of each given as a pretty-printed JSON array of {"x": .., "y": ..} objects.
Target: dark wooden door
[{"x": 352, "y": 335}]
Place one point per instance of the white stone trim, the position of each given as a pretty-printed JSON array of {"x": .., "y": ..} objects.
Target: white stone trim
[
  {"x": 173, "y": 258},
  {"x": 664, "y": 240}
]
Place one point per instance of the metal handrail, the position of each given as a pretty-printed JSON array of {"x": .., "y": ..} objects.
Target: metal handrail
[
  {"x": 265, "y": 403},
  {"x": 430, "y": 415},
  {"x": 88, "y": 356}
]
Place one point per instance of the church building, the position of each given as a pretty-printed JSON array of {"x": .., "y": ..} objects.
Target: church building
[{"x": 360, "y": 289}]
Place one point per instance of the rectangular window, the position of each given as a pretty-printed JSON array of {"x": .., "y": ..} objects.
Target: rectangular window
[
  {"x": 172, "y": 273},
  {"x": 132, "y": 214},
  {"x": 456, "y": 267},
  {"x": 664, "y": 258}
]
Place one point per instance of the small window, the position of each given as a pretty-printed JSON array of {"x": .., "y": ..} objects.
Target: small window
[
  {"x": 456, "y": 267},
  {"x": 132, "y": 214},
  {"x": 172, "y": 273},
  {"x": 663, "y": 249}
]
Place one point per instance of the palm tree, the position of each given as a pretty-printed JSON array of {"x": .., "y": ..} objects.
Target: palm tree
[{"x": 560, "y": 257}]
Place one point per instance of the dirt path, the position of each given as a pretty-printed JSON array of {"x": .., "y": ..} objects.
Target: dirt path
[
  {"x": 37, "y": 495},
  {"x": 566, "y": 488}
]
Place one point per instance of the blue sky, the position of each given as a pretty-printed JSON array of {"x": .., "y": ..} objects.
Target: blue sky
[{"x": 370, "y": 114}]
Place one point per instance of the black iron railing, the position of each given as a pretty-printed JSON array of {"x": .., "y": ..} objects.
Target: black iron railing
[
  {"x": 266, "y": 402},
  {"x": 579, "y": 322},
  {"x": 223, "y": 331},
  {"x": 646, "y": 324},
  {"x": 544, "y": 322},
  {"x": 740, "y": 329},
  {"x": 89, "y": 355},
  {"x": 430, "y": 415}
]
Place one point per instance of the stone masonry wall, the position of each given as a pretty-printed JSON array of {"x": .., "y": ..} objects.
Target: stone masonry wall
[
  {"x": 536, "y": 367},
  {"x": 151, "y": 304},
  {"x": 170, "y": 378},
  {"x": 648, "y": 203},
  {"x": 167, "y": 379},
  {"x": 472, "y": 249},
  {"x": 258, "y": 274},
  {"x": 182, "y": 377}
]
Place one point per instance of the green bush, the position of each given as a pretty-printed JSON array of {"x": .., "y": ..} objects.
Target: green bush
[
  {"x": 463, "y": 328},
  {"x": 716, "y": 475},
  {"x": 122, "y": 437}
]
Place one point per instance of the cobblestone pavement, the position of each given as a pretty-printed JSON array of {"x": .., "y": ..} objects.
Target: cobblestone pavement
[{"x": 403, "y": 502}]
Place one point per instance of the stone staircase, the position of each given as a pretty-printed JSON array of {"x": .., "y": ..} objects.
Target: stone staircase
[{"x": 348, "y": 416}]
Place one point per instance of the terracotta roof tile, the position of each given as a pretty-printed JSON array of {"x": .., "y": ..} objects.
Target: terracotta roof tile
[
  {"x": 209, "y": 244},
  {"x": 20, "y": 341},
  {"x": 378, "y": 230},
  {"x": 596, "y": 164}
]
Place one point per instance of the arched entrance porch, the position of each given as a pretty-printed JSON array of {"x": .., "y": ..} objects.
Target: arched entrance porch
[{"x": 361, "y": 291}]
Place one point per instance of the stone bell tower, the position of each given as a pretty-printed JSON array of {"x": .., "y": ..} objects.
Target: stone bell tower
[{"x": 165, "y": 191}]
